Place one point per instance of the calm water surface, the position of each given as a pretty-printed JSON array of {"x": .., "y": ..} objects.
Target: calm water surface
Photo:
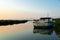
[{"x": 26, "y": 31}]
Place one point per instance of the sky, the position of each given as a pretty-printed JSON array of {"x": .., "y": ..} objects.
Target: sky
[{"x": 15, "y": 9}]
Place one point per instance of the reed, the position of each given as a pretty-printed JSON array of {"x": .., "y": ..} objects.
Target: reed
[
  {"x": 57, "y": 25},
  {"x": 11, "y": 22}
]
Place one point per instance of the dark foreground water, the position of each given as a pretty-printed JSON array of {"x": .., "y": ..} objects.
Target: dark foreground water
[{"x": 26, "y": 31}]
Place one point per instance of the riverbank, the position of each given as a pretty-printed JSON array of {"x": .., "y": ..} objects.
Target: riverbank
[
  {"x": 11, "y": 22},
  {"x": 57, "y": 21},
  {"x": 57, "y": 26}
]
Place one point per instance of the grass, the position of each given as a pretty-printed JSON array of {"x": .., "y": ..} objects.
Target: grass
[
  {"x": 57, "y": 22},
  {"x": 11, "y": 22},
  {"x": 57, "y": 26}
]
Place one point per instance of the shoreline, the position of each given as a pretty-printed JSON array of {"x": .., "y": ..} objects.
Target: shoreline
[{"x": 11, "y": 22}]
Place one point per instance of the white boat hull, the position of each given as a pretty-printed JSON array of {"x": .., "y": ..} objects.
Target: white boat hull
[{"x": 43, "y": 24}]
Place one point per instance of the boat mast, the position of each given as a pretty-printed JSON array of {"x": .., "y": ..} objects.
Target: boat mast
[{"x": 47, "y": 15}]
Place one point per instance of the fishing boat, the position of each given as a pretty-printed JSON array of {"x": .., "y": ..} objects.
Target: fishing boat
[{"x": 44, "y": 22}]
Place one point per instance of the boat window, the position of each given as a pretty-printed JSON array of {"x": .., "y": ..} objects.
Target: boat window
[
  {"x": 50, "y": 20},
  {"x": 43, "y": 19},
  {"x": 46, "y": 19}
]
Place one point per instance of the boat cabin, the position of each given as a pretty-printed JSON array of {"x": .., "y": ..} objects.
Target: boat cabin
[{"x": 46, "y": 19}]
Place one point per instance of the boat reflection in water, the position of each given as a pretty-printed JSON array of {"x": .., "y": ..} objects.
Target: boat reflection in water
[{"x": 43, "y": 31}]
